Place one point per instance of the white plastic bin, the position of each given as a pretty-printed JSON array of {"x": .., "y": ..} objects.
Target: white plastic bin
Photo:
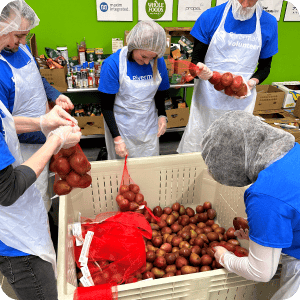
[{"x": 163, "y": 180}]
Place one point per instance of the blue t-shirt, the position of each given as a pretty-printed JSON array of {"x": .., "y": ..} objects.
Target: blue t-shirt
[
  {"x": 109, "y": 77},
  {"x": 6, "y": 160},
  {"x": 273, "y": 205},
  {"x": 18, "y": 60},
  {"x": 209, "y": 21}
]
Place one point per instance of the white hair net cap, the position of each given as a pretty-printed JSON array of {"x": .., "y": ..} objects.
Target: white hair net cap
[
  {"x": 147, "y": 35},
  {"x": 239, "y": 145},
  {"x": 16, "y": 15}
]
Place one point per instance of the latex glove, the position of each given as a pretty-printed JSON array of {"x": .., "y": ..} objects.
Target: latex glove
[
  {"x": 242, "y": 234},
  {"x": 69, "y": 135},
  {"x": 252, "y": 83},
  {"x": 64, "y": 102},
  {"x": 205, "y": 73},
  {"x": 55, "y": 118},
  {"x": 219, "y": 253},
  {"x": 120, "y": 148},
  {"x": 162, "y": 125}
]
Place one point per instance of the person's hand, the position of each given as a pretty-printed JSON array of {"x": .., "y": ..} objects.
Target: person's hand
[
  {"x": 162, "y": 125},
  {"x": 64, "y": 102},
  {"x": 204, "y": 72},
  {"x": 55, "y": 118},
  {"x": 120, "y": 148},
  {"x": 69, "y": 136},
  {"x": 242, "y": 234},
  {"x": 219, "y": 253},
  {"x": 252, "y": 83}
]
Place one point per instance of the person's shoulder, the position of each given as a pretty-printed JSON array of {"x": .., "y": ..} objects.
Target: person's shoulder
[
  {"x": 268, "y": 20},
  {"x": 213, "y": 12},
  {"x": 113, "y": 58}
]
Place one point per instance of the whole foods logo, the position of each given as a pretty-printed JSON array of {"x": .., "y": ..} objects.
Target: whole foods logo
[
  {"x": 103, "y": 6},
  {"x": 155, "y": 9}
]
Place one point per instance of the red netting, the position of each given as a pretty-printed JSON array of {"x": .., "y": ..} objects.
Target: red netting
[
  {"x": 130, "y": 198},
  {"x": 116, "y": 254}
]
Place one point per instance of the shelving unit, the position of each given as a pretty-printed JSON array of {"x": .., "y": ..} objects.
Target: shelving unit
[{"x": 95, "y": 89}]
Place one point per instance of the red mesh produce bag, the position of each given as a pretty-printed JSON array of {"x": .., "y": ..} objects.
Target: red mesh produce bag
[
  {"x": 130, "y": 198},
  {"x": 72, "y": 170},
  {"x": 116, "y": 253}
]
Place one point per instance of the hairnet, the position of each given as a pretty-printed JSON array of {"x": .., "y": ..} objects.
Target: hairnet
[
  {"x": 16, "y": 15},
  {"x": 147, "y": 35},
  {"x": 239, "y": 145}
]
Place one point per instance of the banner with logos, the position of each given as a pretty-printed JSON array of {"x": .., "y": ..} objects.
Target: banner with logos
[
  {"x": 192, "y": 9},
  {"x": 114, "y": 10},
  {"x": 157, "y": 10},
  {"x": 271, "y": 6},
  {"x": 292, "y": 13}
]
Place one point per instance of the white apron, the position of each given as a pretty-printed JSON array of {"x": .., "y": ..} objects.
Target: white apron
[
  {"x": 24, "y": 224},
  {"x": 227, "y": 52},
  {"x": 31, "y": 101},
  {"x": 135, "y": 114}
]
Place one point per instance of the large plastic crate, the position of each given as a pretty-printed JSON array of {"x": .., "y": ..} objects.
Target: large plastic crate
[{"x": 163, "y": 180}]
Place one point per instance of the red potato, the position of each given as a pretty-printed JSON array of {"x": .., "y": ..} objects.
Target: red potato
[
  {"x": 216, "y": 78},
  {"x": 129, "y": 195},
  {"x": 73, "y": 179},
  {"x": 219, "y": 86},
  {"x": 61, "y": 187},
  {"x": 85, "y": 181},
  {"x": 237, "y": 83},
  {"x": 134, "y": 188},
  {"x": 67, "y": 152},
  {"x": 52, "y": 167},
  {"x": 62, "y": 166},
  {"x": 79, "y": 163},
  {"x": 124, "y": 188},
  {"x": 139, "y": 198},
  {"x": 227, "y": 79},
  {"x": 240, "y": 223},
  {"x": 243, "y": 91},
  {"x": 229, "y": 92}
]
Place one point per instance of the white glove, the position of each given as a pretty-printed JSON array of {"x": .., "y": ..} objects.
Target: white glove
[
  {"x": 251, "y": 83},
  {"x": 64, "y": 102},
  {"x": 242, "y": 234},
  {"x": 219, "y": 254},
  {"x": 55, "y": 118},
  {"x": 120, "y": 148},
  {"x": 162, "y": 125},
  {"x": 70, "y": 136},
  {"x": 205, "y": 73}
]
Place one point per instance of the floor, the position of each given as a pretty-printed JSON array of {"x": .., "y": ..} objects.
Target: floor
[{"x": 94, "y": 149}]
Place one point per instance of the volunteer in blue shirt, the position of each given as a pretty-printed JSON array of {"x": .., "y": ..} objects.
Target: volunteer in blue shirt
[
  {"x": 235, "y": 37},
  {"x": 133, "y": 87},
  {"x": 24, "y": 92},
  {"x": 240, "y": 149},
  {"x": 27, "y": 256}
]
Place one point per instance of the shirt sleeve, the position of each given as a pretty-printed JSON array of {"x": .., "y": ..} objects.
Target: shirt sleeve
[
  {"x": 6, "y": 157},
  {"x": 270, "y": 41},
  {"x": 162, "y": 68},
  {"x": 109, "y": 76},
  {"x": 201, "y": 30},
  {"x": 270, "y": 220}
]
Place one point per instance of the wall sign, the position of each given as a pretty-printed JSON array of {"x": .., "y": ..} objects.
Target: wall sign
[
  {"x": 291, "y": 13},
  {"x": 114, "y": 10},
  {"x": 192, "y": 9},
  {"x": 157, "y": 10}
]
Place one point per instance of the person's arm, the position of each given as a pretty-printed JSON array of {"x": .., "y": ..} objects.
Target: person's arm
[
  {"x": 199, "y": 52},
  {"x": 51, "y": 92},
  {"x": 107, "y": 102},
  {"x": 263, "y": 70},
  {"x": 159, "y": 99}
]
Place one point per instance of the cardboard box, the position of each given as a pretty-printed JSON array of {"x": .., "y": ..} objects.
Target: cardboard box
[
  {"x": 56, "y": 77},
  {"x": 292, "y": 92},
  {"x": 31, "y": 42},
  {"x": 268, "y": 98},
  {"x": 178, "y": 117},
  {"x": 295, "y": 132},
  {"x": 170, "y": 67},
  {"x": 275, "y": 116},
  {"x": 296, "y": 111},
  {"x": 181, "y": 66},
  {"x": 91, "y": 125},
  {"x": 168, "y": 47}
]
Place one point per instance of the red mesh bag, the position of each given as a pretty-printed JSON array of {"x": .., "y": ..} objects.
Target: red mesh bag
[
  {"x": 72, "y": 170},
  {"x": 116, "y": 253},
  {"x": 130, "y": 198}
]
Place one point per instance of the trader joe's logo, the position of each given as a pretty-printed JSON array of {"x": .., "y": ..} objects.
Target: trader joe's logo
[{"x": 155, "y": 9}]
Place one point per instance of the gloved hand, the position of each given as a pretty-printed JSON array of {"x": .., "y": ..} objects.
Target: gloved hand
[
  {"x": 162, "y": 125},
  {"x": 64, "y": 102},
  {"x": 69, "y": 135},
  {"x": 219, "y": 253},
  {"x": 55, "y": 118},
  {"x": 251, "y": 83},
  {"x": 205, "y": 73},
  {"x": 120, "y": 148},
  {"x": 242, "y": 234}
]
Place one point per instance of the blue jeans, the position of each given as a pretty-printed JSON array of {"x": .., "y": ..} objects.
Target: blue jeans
[{"x": 30, "y": 277}]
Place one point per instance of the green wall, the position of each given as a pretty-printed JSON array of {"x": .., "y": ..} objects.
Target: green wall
[{"x": 65, "y": 22}]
